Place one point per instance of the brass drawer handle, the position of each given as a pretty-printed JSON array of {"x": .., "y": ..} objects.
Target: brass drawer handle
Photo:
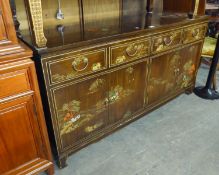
[
  {"x": 132, "y": 50},
  {"x": 195, "y": 32},
  {"x": 168, "y": 40},
  {"x": 79, "y": 61}
]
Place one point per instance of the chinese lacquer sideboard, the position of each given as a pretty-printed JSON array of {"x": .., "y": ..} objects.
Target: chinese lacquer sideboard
[{"x": 101, "y": 68}]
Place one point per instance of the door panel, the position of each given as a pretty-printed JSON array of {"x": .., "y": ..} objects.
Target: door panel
[
  {"x": 189, "y": 65},
  {"x": 126, "y": 91},
  {"x": 164, "y": 76},
  {"x": 172, "y": 72},
  {"x": 16, "y": 134},
  {"x": 81, "y": 109}
]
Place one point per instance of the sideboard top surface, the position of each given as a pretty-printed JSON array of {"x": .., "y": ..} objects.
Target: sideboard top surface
[{"x": 70, "y": 35}]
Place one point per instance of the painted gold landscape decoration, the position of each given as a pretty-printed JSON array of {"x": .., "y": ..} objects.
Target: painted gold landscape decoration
[
  {"x": 94, "y": 127},
  {"x": 58, "y": 77},
  {"x": 120, "y": 59},
  {"x": 94, "y": 87},
  {"x": 127, "y": 114},
  {"x": 118, "y": 92},
  {"x": 96, "y": 66},
  {"x": 71, "y": 116},
  {"x": 136, "y": 49}
]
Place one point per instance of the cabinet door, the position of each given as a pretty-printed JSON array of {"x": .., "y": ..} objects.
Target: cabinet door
[
  {"x": 172, "y": 72},
  {"x": 164, "y": 76},
  {"x": 7, "y": 31},
  {"x": 18, "y": 134},
  {"x": 189, "y": 65},
  {"x": 126, "y": 92},
  {"x": 81, "y": 109}
]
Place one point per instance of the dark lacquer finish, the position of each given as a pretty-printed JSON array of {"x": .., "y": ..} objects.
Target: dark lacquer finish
[{"x": 108, "y": 62}]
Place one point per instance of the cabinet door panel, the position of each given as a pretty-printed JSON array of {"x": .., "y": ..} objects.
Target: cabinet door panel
[
  {"x": 172, "y": 72},
  {"x": 163, "y": 78},
  {"x": 17, "y": 134},
  {"x": 126, "y": 91},
  {"x": 81, "y": 109},
  {"x": 189, "y": 65}
]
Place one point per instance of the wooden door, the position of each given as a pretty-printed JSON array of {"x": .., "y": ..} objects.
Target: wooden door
[
  {"x": 81, "y": 109},
  {"x": 126, "y": 92},
  {"x": 19, "y": 134}
]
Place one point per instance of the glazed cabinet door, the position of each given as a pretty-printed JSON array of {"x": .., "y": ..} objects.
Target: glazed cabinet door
[
  {"x": 126, "y": 92},
  {"x": 19, "y": 135},
  {"x": 81, "y": 109},
  {"x": 2, "y": 27}
]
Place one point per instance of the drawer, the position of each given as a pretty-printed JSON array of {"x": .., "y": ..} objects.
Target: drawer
[
  {"x": 73, "y": 65},
  {"x": 166, "y": 41},
  {"x": 194, "y": 33},
  {"x": 129, "y": 51},
  {"x": 13, "y": 83}
]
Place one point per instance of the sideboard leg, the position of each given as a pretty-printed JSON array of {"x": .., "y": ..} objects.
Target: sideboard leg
[
  {"x": 50, "y": 171},
  {"x": 189, "y": 90},
  {"x": 62, "y": 162}
]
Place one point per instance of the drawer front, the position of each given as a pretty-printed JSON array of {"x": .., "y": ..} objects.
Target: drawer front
[
  {"x": 129, "y": 51},
  {"x": 166, "y": 41},
  {"x": 80, "y": 109},
  {"x": 195, "y": 33},
  {"x": 70, "y": 66},
  {"x": 14, "y": 82}
]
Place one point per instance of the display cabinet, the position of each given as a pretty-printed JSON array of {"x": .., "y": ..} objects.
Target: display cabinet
[
  {"x": 105, "y": 63},
  {"x": 185, "y": 6},
  {"x": 8, "y": 39},
  {"x": 24, "y": 143}
]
